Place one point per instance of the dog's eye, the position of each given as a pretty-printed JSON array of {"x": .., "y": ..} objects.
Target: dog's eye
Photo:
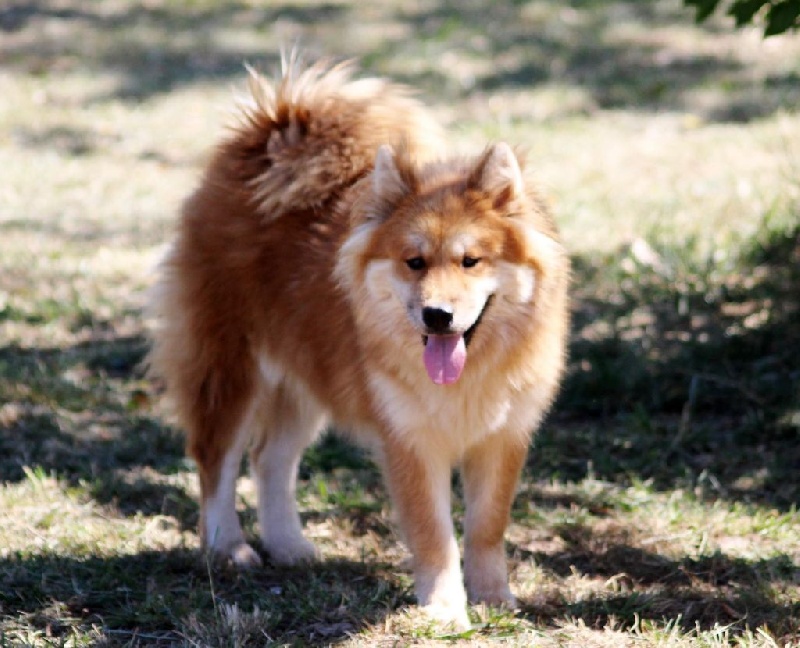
[
  {"x": 470, "y": 262},
  {"x": 416, "y": 263}
]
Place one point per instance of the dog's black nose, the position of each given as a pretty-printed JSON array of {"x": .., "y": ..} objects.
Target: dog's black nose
[{"x": 437, "y": 320}]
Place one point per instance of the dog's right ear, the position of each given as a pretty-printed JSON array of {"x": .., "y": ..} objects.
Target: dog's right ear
[
  {"x": 386, "y": 180},
  {"x": 392, "y": 179}
]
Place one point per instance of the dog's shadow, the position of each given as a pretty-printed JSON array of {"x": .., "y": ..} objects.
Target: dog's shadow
[
  {"x": 334, "y": 598},
  {"x": 85, "y": 418}
]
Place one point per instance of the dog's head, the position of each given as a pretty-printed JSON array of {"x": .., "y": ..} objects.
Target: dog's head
[{"x": 448, "y": 253}]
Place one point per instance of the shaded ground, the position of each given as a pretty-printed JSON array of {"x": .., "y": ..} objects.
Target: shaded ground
[
  {"x": 625, "y": 54},
  {"x": 693, "y": 373}
]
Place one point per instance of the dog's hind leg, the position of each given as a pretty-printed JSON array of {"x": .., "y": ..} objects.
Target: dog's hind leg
[
  {"x": 291, "y": 422},
  {"x": 219, "y": 467}
]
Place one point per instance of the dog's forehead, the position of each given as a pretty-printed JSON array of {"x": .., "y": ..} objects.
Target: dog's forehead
[
  {"x": 452, "y": 240},
  {"x": 458, "y": 242}
]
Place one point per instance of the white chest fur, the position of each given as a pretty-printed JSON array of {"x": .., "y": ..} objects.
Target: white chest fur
[{"x": 447, "y": 420}]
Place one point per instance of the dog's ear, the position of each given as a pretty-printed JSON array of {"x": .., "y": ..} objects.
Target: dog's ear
[
  {"x": 498, "y": 174},
  {"x": 392, "y": 178},
  {"x": 388, "y": 183}
]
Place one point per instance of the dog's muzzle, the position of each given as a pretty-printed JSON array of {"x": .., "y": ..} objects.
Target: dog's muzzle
[{"x": 438, "y": 321}]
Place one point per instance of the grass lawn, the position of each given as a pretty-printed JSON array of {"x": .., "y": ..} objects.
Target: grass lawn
[{"x": 659, "y": 503}]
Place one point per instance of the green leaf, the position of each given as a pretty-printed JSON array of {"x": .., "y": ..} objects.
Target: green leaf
[
  {"x": 704, "y": 8},
  {"x": 782, "y": 16},
  {"x": 744, "y": 10},
  {"x": 322, "y": 488}
]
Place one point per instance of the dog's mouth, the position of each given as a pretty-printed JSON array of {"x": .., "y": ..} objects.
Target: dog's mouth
[{"x": 446, "y": 355}]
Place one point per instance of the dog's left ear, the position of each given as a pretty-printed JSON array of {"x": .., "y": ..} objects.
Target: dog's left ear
[{"x": 498, "y": 174}]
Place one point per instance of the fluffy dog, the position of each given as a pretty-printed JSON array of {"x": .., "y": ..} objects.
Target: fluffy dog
[{"x": 334, "y": 266}]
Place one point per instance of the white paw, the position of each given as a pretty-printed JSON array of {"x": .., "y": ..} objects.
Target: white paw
[
  {"x": 241, "y": 555},
  {"x": 443, "y": 599},
  {"x": 290, "y": 552},
  {"x": 450, "y": 616},
  {"x": 497, "y": 595},
  {"x": 486, "y": 578}
]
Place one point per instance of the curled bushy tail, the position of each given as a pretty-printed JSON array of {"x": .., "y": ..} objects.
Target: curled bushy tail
[{"x": 301, "y": 140}]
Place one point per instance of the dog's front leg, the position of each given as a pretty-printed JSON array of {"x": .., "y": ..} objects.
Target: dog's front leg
[
  {"x": 420, "y": 488},
  {"x": 490, "y": 472}
]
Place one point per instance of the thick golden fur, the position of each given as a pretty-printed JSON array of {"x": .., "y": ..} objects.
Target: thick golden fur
[{"x": 288, "y": 300}]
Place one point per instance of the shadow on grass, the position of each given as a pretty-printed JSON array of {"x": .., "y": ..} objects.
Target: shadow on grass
[
  {"x": 689, "y": 380},
  {"x": 157, "y": 49},
  {"x": 701, "y": 592},
  {"x": 168, "y": 596},
  {"x": 153, "y": 49},
  {"x": 578, "y": 45},
  {"x": 80, "y": 413}
]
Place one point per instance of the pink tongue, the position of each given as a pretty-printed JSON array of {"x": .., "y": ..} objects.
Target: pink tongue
[{"x": 445, "y": 356}]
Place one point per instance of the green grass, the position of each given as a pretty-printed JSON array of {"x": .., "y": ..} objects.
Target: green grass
[{"x": 659, "y": 503}]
